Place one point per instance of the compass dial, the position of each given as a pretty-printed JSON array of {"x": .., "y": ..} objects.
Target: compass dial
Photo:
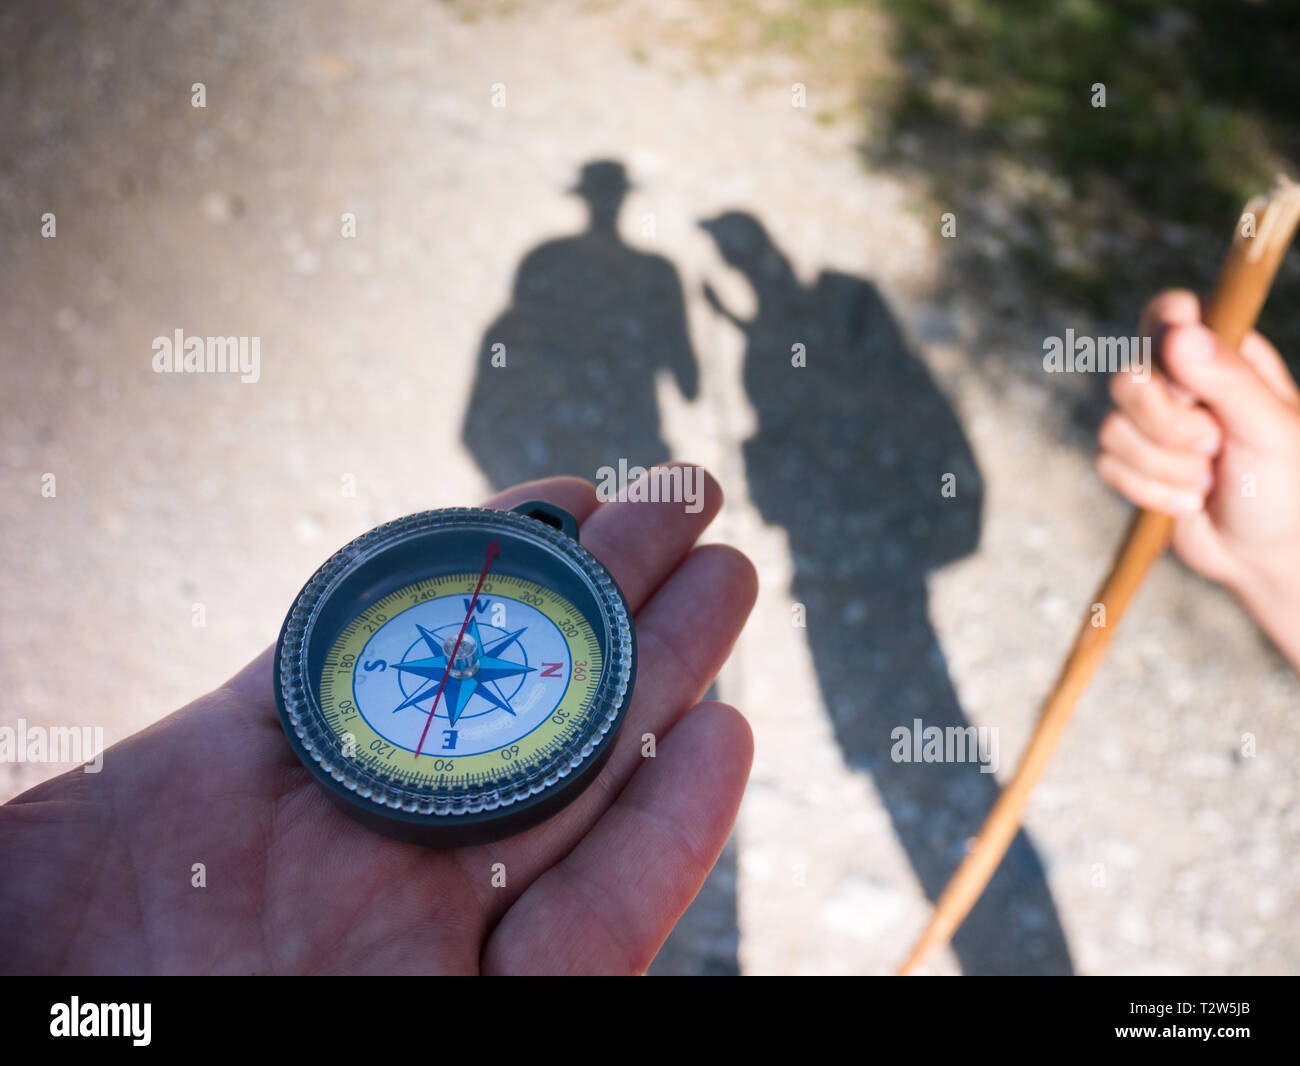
[{"x": 457, "y": 676}]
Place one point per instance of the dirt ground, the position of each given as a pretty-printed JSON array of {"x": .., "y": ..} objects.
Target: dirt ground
[{"x": 1153, "y": 846}]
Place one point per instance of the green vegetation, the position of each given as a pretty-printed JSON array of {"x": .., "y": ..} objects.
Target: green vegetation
[
  {"x": 995, "y": 97},
  {"x": 1201, "y": 101}
]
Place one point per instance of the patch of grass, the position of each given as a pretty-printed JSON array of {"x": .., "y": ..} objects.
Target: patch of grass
[
  {"x": 1200, "y": 100},
  {"x": 1200, "y": 111}
]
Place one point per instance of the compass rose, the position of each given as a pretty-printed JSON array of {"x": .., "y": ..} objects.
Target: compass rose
[{"x": 467, "y": 674}]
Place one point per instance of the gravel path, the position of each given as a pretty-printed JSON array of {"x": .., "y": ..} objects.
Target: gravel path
[{"x": 1154, "y": 845}]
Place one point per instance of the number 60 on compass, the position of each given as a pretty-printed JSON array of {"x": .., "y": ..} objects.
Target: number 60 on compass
[{"x": 457, "y": 676}]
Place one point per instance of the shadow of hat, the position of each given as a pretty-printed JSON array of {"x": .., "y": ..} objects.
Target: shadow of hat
[{"x": 604, "y": 179}]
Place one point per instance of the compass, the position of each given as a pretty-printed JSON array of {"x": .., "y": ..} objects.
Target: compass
[{"x": 457, "y": 676}]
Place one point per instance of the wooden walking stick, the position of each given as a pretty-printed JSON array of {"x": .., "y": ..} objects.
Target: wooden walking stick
[{"x": 1263, "y": 234}]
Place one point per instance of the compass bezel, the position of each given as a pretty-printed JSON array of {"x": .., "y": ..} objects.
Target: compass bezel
[{"x": 395, "y": 554}]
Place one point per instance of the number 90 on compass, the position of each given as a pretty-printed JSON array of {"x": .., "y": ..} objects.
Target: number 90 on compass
[{"x": 457, "y": 676}]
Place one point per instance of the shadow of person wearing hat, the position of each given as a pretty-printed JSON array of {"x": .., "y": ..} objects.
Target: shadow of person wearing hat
[
  {"x": 565, "y": 384},
  {"x": 565, "y": 375}
]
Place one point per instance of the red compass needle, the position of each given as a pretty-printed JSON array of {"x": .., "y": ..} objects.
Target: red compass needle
[{"x": 493, "y": 550}]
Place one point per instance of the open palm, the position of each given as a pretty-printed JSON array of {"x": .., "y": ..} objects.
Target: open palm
[{"x": 95, "y": 869}]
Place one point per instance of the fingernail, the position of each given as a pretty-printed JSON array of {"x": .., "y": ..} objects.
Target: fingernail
[
  {"x": 1187, "y": 502},
  {"x": 1209, "y": 446},
  {"x": 1207, "y": 482},
  {"x": 1196, "y": 345},
  {"x": 1179, "y": 393}
]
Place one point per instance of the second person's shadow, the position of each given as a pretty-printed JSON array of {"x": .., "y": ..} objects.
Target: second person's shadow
[{"x": 852, "y": 456}]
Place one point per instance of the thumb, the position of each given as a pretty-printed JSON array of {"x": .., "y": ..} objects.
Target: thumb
[{"x": 1227, "y": 384}]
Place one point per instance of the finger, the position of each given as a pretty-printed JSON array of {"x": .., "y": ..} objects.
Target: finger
[
  {"x": 1180, "y": 307},
  {"x": 1146, "y": 492},
  {"x": 611, "y": 903},
  {"x": 1248, "y": 408},
  {"x": 1269, "y": 365},
  {"x": 1164, "y": 417},
  {"x": 641, "y": 542},
  {"x": 1168, "y": 310},
  {"x": 1173, "y": 307},
  {"x": 1119, "y": 437},
  {"x": 684, "y": 636}
]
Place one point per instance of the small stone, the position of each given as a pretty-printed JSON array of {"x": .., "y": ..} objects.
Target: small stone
[{"x": 222, "y": 208}]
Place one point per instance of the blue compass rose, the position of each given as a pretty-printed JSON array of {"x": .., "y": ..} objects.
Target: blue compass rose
[{"x": 468, "y": 674}]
